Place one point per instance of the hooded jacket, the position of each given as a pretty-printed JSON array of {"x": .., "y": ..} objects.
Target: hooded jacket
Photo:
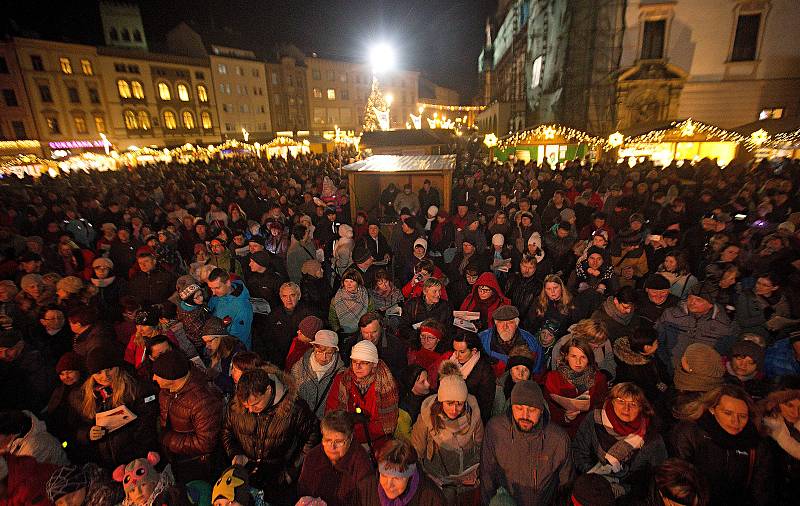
[
  {"x": 237, "y": 306},
  {"x": 474, "y": 303},
  {"x": 532, "y": 466},
  {"x": 277, "y": 438},
  {"x": 39, "y": 444}
]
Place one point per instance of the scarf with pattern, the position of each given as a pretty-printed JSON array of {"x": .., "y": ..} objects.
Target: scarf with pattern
[{"x": 350, "y": 307}]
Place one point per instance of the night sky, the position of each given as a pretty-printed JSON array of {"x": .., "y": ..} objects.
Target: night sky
[{"x": 440, "y": 38}]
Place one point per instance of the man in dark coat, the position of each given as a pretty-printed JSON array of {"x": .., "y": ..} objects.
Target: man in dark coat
[
  {"x": 428, "y": 305},
  {"x": 283, "y": 323},
  {"x": 654, "y": 299},
  {"x": 152, "y": 285},
  {"x": 523, "y": 287},
  {"x": 269, "y": 430},
  {"x": 392, "y": 350}
]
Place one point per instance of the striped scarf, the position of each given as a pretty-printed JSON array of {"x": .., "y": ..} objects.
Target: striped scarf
[
  {"x": 350, "y": 307},
  {"x": 624, "y": 439},
  {"x": 386, "y": 394}
]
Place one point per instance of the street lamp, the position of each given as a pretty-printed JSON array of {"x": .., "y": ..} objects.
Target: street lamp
[
  {"x": 381, "y": 58},
  {"x": 389, "y": 99}
]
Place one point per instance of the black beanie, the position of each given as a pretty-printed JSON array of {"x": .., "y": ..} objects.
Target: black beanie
[
  {"x": 172, "y": 365},
  {"x": 593, "y": 490},
  {"x": 101, "y": 358}
]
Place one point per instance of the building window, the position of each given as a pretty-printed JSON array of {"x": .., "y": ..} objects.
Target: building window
[
  {"x": 19, "y": 130},
  {"x": 124, "y": 88},
  {"x": 113, "y": 35},
  {"x": 137, "y": 35},
  {"x": 745, "y": 43},
  {"x": 94, "y": 96},
  {"x": 126, "y": 35},
  {"x": 315, "y": 75},
  {"x": 44, "y": 92},
  {"x": 100, "y": 124},
  {"x": 72, "y": 92},
  {"x": 771, "y": 113},
  {"x": 188, "y": 120},
  {"x": 222, "y": 69},
  {"x": 3, "y": 66},
  {"x": 653, "y": 39},
  {"x": 144, "y": 120},
  {"x": 52, "y": 125},
  {"x": 255, "y": 72},
  {"x": 199, "y": 75},
  {"x": 36, "y": 62},
  {"x": 86, "y": 68},
  {"x": 169, "y": 120},
  {"x": 66, "y": 65},
  {"x": 331, "y": 94},
  {"x": 275, "y": 78},
  {"x": 317, "y": 93},
  {"x": 344, "y": 94},
  {"x": 80, "y": 124},
  {"x": 202, "y": 94},
  {"x": 10, "y": 98},
  {"x": 130, "y": 120},
  {"x": 133, "y": 69},
  {"x": 244, "y": 108},
  {"x": 205, "y": 119},
  {"x": 183, "y": 93},
  {"x": 137, "y": 90},
  {"x": 331, "y": 75},
  {"x": 536, "y": 72},
  {"x": 163, "y": 91},
  {"x": 119, "y": 67}
]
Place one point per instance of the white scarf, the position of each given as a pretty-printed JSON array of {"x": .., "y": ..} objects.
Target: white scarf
[
  {"x": 319, "y": 369},
  {"x": 467, "y": 367}
]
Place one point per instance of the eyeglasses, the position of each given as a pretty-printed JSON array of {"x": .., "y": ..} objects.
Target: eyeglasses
[
  {"x": 428, "y": 337},
  {"x": 335, "y": 443},
  {"x": 484, "y": 289},
  {"x": 628, "y": 404},
  {"x": 323, "y": 352}
]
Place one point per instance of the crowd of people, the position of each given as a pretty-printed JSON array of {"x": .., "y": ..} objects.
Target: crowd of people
[{"x": 588, "y": 334}]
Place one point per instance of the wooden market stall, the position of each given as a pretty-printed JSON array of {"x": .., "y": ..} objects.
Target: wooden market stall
[
  {"x": 551, "y": 142},
  {"x": 686, "y": 139},
  {"x": 284, "y": 146},
  {"x": 771, "y": 138},
  {"x": 367, "y": 178}
]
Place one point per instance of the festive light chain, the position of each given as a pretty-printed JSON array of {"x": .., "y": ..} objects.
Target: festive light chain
[
  {"x": 550, "y": 132},
  {"x": 685, "y": 128},
  {"x": 461, "y": 108}
]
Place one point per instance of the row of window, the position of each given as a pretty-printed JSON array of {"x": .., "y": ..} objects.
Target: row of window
[
  {"x": 125, "y": 35},
  {"x": 72, "y": 93},
  {"x": 79, "y": 121},
  {"x": 330, "y": 75},
  {"x": 135, "y": 90},
  {"x": 244, "y": 108},
  {"x": 141, "y": 120},
  {"x": 225, "y": 89},
  {"x": 223, "y": 69}
]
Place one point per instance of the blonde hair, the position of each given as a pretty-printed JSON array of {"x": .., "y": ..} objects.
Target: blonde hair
[
  {"x": 123, "y": 386},
  {"x": 592, "y": 331},
  {"x": 695, "y": 409},
  {"x": 565, "y": 305},
  {"x": 635, "y": 392}
]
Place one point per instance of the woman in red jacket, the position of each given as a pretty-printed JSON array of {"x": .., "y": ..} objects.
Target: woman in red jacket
[
  {"x": 431, "y": 349},
  {"x": 486, "y": 296},
  {"x": 575, "y": 387}
]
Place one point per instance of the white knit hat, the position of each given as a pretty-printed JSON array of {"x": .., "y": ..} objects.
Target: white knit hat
[
  {"x": 366, "y": 351},
  {"x": 421, "y": 242},
  {"x": 433, "y": 211},
  {"x": 498, "y": 240},
  {"x": 326, "y": 338},
  {"x": 452, "y": 388}
]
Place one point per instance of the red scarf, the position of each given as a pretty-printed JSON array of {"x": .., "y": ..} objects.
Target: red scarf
[{"x": 638, "y": 426}]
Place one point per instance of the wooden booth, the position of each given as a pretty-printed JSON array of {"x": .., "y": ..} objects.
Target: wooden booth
[
  {"x": 551, "y": 142},
  {"x": 367, "y": 178}
]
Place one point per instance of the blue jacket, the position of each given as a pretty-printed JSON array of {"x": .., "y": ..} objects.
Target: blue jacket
[
  {"x": 533, "y": 345},
  {"x": 237, "y": 306},
  {"x": 779, "y": 360}
]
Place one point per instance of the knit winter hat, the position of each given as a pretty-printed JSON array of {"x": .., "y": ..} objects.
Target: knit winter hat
[
  {"x": 567, "y": 214},
  {"x": 421, "y": 242},
  {"x": 749, "y": 349},
  {"x": 213, "y": 327},
  {"x": 101, "y": 358},
  {"x": 171, "y": 365},
  {"x": 28, "y": 280},
  {"x": 498, "y": 240},
  {"x": 261, "y": 258},
  {"x": 69, "y": 361},
  {"x": 103, "y": 262},
  {"x": 521, "y": 355},
  {"x": 527, "y": 393},
  {"x": 704, "y": 369},
  {"x": 365, "y": 351},
  {"x": 452, "y": 387},
  {"x": 70, "y": 284},
  {"x": 593, "y": 490},
  {"x": 309, "y": 326}
]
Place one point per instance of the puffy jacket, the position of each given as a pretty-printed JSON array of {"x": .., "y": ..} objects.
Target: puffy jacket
[
  {"x": 489, "y": 336},
  {"x": 780, "y": 360},
  {"x": 310, "y": 389},
  {"x": 737, "y": 468},
  {"x": 678, "y": 328},
  {"x": 753, "y": 311},
  {"x": 152, "y": 287},
  {"x": 277, "y": 438},
  {"x": 39, "y": 444},
  {"x": 235, "y": 305},
  {"x": 95, "y": 336},
  {"x": 191, "y": 419}
]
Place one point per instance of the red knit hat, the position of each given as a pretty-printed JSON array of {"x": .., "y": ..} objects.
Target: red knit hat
[{"x": 69, "y": 361}]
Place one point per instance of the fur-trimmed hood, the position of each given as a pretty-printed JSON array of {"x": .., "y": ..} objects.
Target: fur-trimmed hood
[{"x": 623, "y": 351}]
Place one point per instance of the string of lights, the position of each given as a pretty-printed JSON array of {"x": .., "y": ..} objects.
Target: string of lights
[
  {"x": 459, "y": 108},
  {"x": 550, "y": 132}
]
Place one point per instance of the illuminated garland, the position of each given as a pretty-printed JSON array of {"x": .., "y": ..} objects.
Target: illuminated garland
[
  {"x": 550, "y": 132},
  {"x": 786, "y": 139},
  {"x": 460, "y": 108},
  {"x": 686, "y": 131}
]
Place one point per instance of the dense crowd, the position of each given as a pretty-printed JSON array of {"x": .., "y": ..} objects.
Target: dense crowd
[{"x": 223, "y": 333}]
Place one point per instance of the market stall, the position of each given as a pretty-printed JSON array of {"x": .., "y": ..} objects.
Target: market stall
[
  {"x": 285, "y": 146},
  {"x": 551, "y": 142},
  {"x": 368, "y": 177},
  {"x": 771, "y": 138},
  {"x": 686, "y": 139},
  {"x": 27, "y": 165}
]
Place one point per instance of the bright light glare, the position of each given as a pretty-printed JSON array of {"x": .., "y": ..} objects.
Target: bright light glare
[
  {"x": 382, "y": 58},
  {"x": 389, "y": 99}
]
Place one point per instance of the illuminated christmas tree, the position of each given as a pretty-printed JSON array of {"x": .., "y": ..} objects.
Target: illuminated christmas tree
[{"x": 374, "y": 101}]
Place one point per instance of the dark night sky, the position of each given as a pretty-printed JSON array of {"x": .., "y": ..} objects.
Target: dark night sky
[{"x": 441, "y": 38}]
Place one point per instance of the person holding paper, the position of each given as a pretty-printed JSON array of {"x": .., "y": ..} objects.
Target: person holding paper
[
  {"x": 110, "y": 388},
  {"x": 447, "y": 437},
  {"x": 575, "y": 386},
  {"x": 485, "y": 298}
]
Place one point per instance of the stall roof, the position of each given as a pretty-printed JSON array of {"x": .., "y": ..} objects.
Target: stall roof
[
  {"x": 403, "y": 163},
  {"x": 680, "y": 130},
  {"x": 771, "y": 126},
  {"x": 406, "y": 137}
]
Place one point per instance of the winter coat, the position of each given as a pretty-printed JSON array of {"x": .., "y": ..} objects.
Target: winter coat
[
  {"x": 779, "y": 360},
  {"x": 649, "y": 373},
  {"x": 489, "y": 339},
  {"x": 235, "y": 305},
  {"x": 317, "y": 292},
  {"x": 523, "y": 291},
  {"x": 96, "y": 336},
  {"x": 296, "y": 255},
  {"x": 277, "y": 438},
  {"x": 191, "y": 422},
  {"x": 753, "y": 311},
  {"x": 428, "y": 494},
  {"x": 26, "y": 484},
  {"x": 226, "y": 260},
  {"x": 556, "y": 384},
  {"x": 480, "y": 384},
  {"x": 444, "y": 454},
  {"x": 282, "y": 327},
  {"x": 265, "y": 285},
  {"x": 648, "y": 312},
  {"x": 193, "y": 319},
  {"x": 131, "y": 441},
  {"x": 416, "y": 310},
  {"x": 532, "y": 466},
  {"x": 587, "y": 451},
  {"x": 39, "y": 444},
  {"x": 153, "y": 287},
  {"x": 334, "y": 484},
  {"x": 737, "y": 468},
  {"x": 310, "y": 389},
  {"x": 678, "y": 328},
  {"x": 487, "y": 309},
  {"x": 107, "y": 297},
  {"x": 617, "y": 324},
  {"x": 26, "y": 382}
]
